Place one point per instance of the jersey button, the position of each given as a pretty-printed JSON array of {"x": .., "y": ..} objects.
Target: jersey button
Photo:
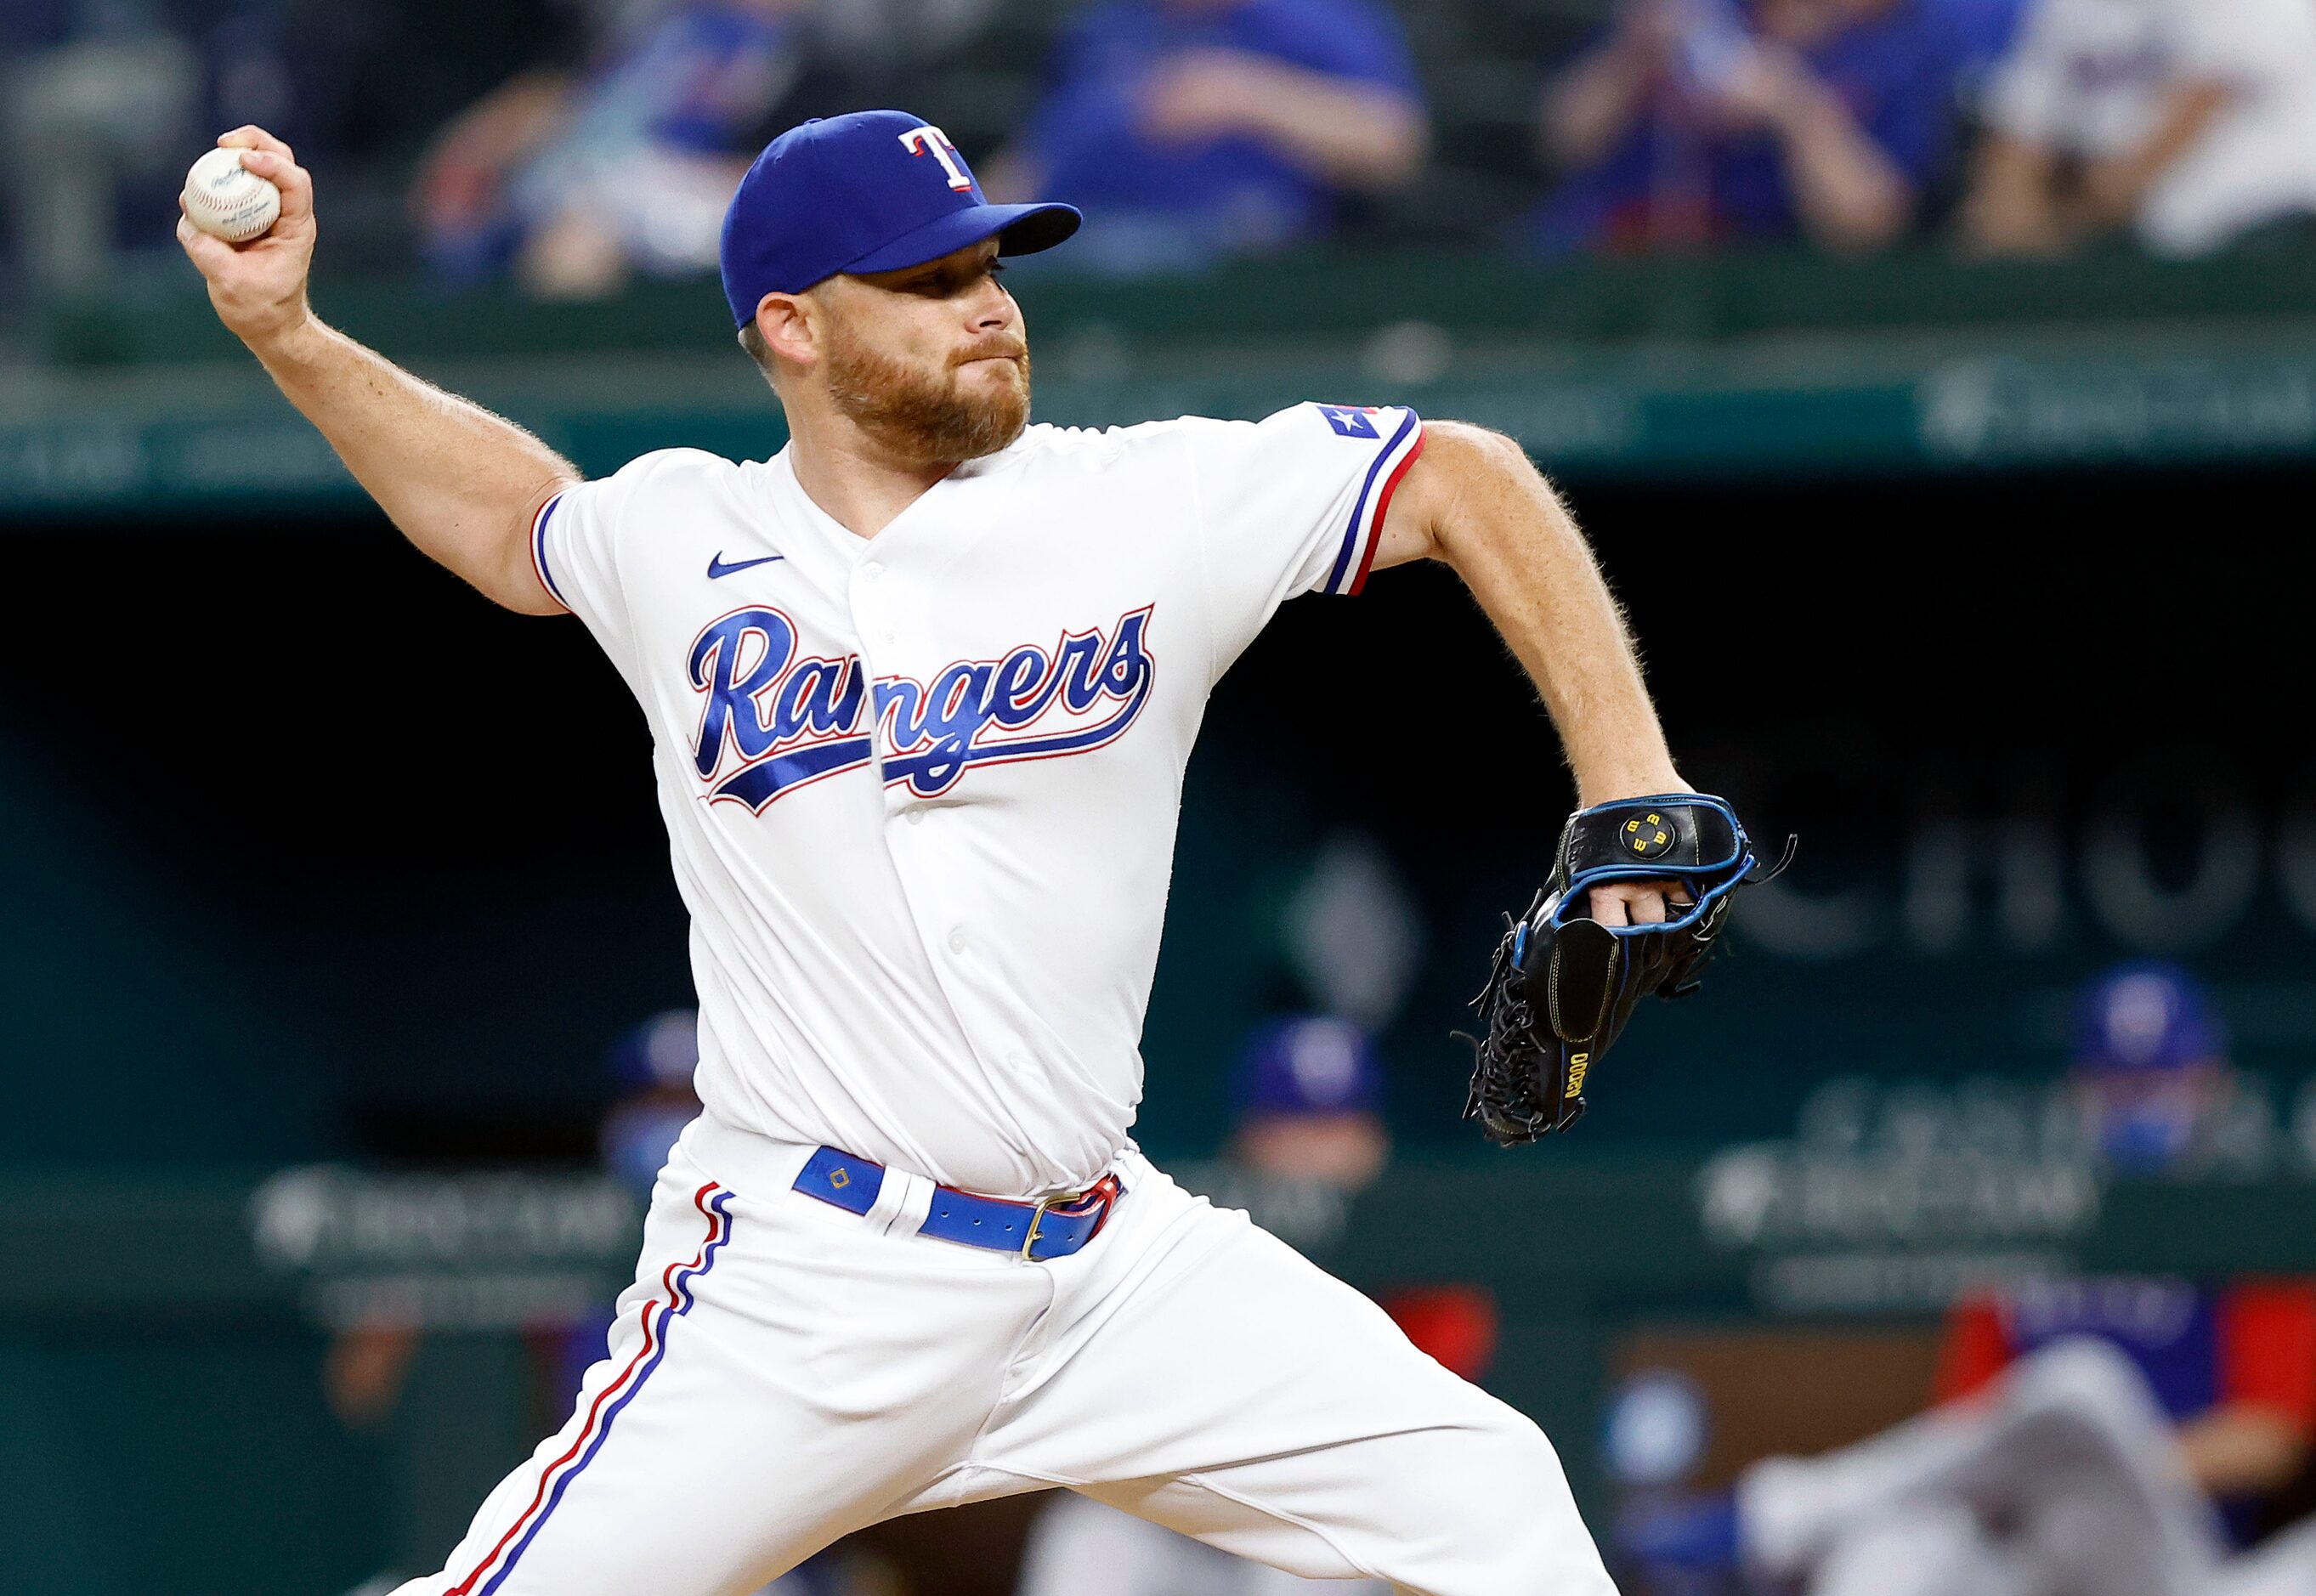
[
  {"x": 916, "y": 814},
  {"x": 957, "y": 940},
  {"x": 871, "y": 570}
]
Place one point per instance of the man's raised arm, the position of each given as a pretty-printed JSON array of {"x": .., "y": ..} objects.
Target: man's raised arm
[
  {"x": 1475, "y": 501},
  {"x": 460, "y": 483}
]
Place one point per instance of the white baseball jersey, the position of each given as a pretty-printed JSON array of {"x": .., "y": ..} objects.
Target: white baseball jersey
[{"x": 921, "y": 790}]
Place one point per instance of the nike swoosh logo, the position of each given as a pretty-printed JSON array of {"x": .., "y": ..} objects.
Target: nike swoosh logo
[{"x": 716, "y": 567}]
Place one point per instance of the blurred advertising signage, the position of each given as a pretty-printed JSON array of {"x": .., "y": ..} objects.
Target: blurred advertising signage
[
  {"x": 1898, "y": 1198},
  {"x": 2055, "y": 409},
  {"x": 2165, "y": 864},
  {"x": 1893, "y": 1200},
  {"x": 448, "y": 1251}
]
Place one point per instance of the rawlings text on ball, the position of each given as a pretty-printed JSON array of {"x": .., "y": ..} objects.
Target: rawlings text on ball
[{"x": 226, "y": 201}]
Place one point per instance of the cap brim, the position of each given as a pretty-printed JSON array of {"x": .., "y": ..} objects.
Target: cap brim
[{"x": 1019, "y": 229}]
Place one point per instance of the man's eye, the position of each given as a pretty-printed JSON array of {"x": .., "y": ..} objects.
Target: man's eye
[{"x": 943, "y": 284}]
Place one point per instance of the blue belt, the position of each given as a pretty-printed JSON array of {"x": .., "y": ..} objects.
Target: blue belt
[{"x": 1054, "y": 1227}]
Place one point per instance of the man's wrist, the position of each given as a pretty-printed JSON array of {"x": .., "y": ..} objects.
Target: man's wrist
[
  {"x": 1591, "y": 792},
  {"x": 296, "y": 341}
]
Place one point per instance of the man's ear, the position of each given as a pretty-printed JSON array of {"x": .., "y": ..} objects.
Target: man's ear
[{"x": 789, "y": 326}]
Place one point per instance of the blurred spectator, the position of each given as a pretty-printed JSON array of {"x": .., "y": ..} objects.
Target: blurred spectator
[
  {"x": 1192, "y": 130},
  {"x": 627, "y": 167},
  {"x": 106, "y": 101},
  {"x": 2152, "y": 1082},
  {"x": 1987, "y": 29},
  {"x": 652, "y": 1067},
  {"x": 96, "y": 95},
  {"x": 1310, "y": 1104},
  {"x": 2232, "y": 1366},
  {"x": 869, "y": 37},
  {"x": 2192, "y": 122},
  {"x": 1307, "y": 1129},
  {"x": 2091, "y": 1465},
  {"x": 1696, "y": 122}
]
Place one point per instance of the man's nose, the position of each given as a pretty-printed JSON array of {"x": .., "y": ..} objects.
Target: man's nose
[{"x": 993, "y": 308}]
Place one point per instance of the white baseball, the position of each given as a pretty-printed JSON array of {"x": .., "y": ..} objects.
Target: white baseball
[{"x": 226, "y": 201}]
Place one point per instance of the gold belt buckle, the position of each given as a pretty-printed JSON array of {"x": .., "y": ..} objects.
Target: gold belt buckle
[{"x": 1038, "y": 1217}]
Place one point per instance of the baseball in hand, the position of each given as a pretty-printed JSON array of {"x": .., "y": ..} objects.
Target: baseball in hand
[{"x": 227, "y": 201}]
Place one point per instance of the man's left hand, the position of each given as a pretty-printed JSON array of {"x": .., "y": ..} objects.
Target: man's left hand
[{"x": 1638, "y": 903}]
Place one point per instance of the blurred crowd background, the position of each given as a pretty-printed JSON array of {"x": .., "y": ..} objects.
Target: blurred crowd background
[
  {"x": 575, "y": 142},
  {"x": 1938, "y": 381}
]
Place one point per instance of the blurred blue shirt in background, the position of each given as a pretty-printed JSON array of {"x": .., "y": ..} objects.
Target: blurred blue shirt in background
[
  {"x": 1153, "y": 203},
  {"x": 1904, "y": 74}
]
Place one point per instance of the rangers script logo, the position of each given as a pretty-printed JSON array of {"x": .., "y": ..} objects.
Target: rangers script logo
[{"x": 773, "y": 720}]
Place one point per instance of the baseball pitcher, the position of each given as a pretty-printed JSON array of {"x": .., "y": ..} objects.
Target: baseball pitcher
[{"x": 921, "y": 687}]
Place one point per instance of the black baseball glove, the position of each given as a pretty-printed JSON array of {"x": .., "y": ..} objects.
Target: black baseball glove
[{"x": 1563, "y": 984}]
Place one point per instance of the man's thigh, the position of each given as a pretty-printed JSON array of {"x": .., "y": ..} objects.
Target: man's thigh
[
  {"x": 774, "y": 1380},
  {"x": 1079, "y": 1545},
  {"x": 1208, "y": 1378}
]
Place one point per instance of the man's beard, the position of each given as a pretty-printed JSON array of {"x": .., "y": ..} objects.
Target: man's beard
[{"x": 921, "y": 415}]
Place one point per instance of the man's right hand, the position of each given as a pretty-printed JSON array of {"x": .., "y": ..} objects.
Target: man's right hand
[
  {"x": 462, "y": 483},
  {"x": 259, "y": 287}
]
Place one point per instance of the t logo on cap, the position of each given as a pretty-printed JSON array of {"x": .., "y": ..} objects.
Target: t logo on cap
[{"x": 918, "y": 140}]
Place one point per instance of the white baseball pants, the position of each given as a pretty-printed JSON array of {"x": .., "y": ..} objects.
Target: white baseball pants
[
  {"x": 783, "y": 1372},
  {"x": 1079, "y": 1547}
]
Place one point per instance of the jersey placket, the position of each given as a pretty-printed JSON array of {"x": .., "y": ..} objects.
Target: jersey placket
[{"x": 898, "y": 624}]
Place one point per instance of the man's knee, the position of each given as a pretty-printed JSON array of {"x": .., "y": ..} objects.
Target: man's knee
[
  {"x": 1526, "y": 1532},
  {"x": 1512, "y": 1455}
]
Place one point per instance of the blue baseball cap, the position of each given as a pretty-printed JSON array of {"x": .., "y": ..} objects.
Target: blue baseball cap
[
  {"x": 2146, "y": 1016},
  {"x": 663, "y": 1051},
  {"x": 1309, "y": 1066},
  {"x": 875, "y": 191}
]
